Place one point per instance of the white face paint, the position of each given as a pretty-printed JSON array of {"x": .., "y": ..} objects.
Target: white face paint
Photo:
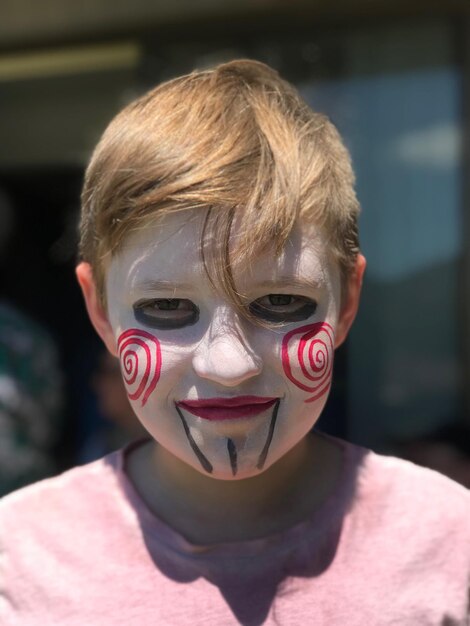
[{"x": 222, "y": 394}]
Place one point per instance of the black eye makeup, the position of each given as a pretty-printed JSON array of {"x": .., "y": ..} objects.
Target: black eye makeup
[
  {"x": 166, "y": 313},
  {"x": 283, "y": 308}
]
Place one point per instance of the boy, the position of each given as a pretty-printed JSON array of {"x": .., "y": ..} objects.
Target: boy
[{"x": 221, "y": 265}]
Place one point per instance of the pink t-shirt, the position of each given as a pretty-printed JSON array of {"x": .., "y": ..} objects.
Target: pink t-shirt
[{"x": 390, "y": 546}]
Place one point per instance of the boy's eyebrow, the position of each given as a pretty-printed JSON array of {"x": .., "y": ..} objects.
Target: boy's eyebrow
[
  {"x": 291, "y": 281},
  {"x": 160, "y": 285}
]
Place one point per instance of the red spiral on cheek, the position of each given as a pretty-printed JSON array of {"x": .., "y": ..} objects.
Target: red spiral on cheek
[
  {"x": 130, "y": 363},
  {"x": 307, "y": 358},
  {"x": 141, "y": 362}
]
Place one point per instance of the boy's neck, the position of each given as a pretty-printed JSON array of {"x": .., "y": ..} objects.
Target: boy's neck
[{"x": 208, "y": 511}]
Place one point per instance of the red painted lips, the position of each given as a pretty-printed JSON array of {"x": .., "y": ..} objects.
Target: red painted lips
[{"x": 227, "y": 408}]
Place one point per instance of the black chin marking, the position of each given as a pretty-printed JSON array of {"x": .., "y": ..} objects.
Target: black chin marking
[
  {"x": 232, "y": 453},
  {"x": 264, "y": 452},
  {"x": 200, "y": 456}
]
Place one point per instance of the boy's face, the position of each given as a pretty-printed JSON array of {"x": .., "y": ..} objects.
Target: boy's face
[{"x": 222, "y": 394}]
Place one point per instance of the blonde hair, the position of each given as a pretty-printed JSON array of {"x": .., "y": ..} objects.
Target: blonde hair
[{"x": 235, "y": 141}]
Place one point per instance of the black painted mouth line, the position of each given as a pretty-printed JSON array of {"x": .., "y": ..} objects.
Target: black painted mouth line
[
  {"x": 232, "y": 453},
  {"x": 203, "y": 460},
  {"x": 265, "y": 450}
]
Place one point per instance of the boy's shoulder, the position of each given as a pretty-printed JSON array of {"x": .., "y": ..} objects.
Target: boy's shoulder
[
  {"x": 394, "y": 493},
  {"x": 75, "y": 492},
  {"x": 391, "y": 475}
]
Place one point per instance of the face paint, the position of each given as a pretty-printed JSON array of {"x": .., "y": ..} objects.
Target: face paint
[
  {"x": 216, "y": 412},
  {"x": 307, "y": 358},
  {"x": 203, "y": 460},
  {"x": 265, "y": 450},
  {"x": 232, "y": 453},
  {"x": 141, "y": 362},
  {"x": 232, "y": 397}
]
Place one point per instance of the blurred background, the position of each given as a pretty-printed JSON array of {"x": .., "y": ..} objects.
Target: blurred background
[{"x": 394, "y": 77}]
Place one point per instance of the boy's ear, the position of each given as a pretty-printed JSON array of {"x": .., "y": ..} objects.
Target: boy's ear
[
  {"x": 96, "y": 312},
  {"x": 350, "y": 301}
]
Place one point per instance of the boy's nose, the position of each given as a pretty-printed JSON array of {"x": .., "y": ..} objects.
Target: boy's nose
[{"x": 224, "y": 355}]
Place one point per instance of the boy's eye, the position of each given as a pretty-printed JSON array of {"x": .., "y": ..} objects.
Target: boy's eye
[
  {"x": 166, "y": 313},
  {"x": 283, "y": 308}
]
